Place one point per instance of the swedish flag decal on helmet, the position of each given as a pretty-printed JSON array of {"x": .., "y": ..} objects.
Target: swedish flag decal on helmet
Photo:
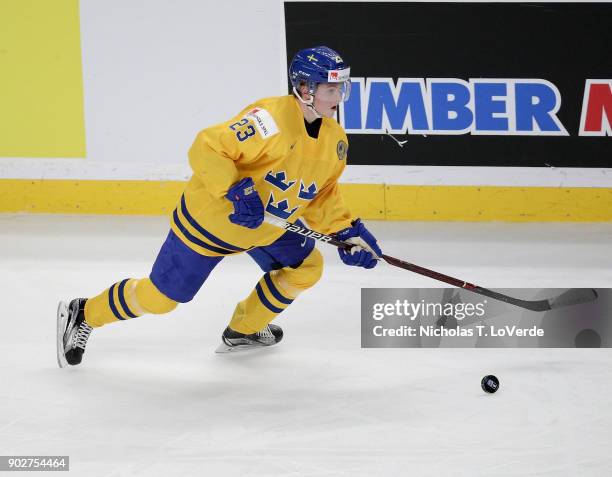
[{"x": 320, "y": 64}]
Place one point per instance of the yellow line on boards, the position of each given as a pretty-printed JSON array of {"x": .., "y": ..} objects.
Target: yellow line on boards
[{"x": 369, "y": 201}]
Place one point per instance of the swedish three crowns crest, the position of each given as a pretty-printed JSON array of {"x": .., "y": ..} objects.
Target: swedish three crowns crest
[{"x": 341, "y": 149}]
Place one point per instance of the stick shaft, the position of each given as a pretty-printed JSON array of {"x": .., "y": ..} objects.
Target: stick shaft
[{"x": 533, "y": 305}]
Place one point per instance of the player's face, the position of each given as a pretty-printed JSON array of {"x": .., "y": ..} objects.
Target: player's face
[{"x": 328, "y": 96}]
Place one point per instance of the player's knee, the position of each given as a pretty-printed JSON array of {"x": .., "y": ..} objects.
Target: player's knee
[
  {"x": 307, "y": 274},
  {"x": 314, "y": 266},
  {"x": 151, "y": 300}
]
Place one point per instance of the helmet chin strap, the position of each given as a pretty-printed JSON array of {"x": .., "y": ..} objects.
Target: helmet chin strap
[{"x": 309, "y": 104}]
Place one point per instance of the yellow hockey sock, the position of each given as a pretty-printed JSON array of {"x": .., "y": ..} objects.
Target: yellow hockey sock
[
  {"x": 274, "y": 292},
  {"x": 127, "y": 299}
]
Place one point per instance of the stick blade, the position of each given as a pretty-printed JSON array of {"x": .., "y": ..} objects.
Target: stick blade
[{"x": 574, "y": 296}]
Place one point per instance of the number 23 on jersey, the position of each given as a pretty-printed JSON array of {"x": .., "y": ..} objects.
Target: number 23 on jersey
[{"x": 242, "y": 133}]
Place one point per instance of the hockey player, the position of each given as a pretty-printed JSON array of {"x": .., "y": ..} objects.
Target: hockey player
[{"x": 281, "y": 156}]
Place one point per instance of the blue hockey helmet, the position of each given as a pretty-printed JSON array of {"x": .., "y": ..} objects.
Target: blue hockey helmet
[{"x": 317, "y": 65}]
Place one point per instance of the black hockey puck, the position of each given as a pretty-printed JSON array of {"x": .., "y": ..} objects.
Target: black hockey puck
[{"x": 490, "y": 384}]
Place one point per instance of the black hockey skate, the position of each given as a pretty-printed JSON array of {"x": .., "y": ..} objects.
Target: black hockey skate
[
  {"x": 234, "y": 341},
  {"x": 72, "y": 332}
]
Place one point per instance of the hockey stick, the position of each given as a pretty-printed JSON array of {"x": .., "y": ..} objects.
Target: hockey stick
[{"x": 579, "y": 295}]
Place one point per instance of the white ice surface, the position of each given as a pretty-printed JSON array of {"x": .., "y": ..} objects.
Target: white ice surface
[{"x": 151, "y": 398}]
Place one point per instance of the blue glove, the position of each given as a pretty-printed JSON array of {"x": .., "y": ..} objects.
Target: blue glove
[
  {"x": 248, "y": 208},
  {"x": 365, "y": 250}
]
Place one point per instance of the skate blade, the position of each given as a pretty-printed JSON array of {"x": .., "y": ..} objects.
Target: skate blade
[
  {"x": 62, "y": 320},
  {"x": 223, "y": 348}
]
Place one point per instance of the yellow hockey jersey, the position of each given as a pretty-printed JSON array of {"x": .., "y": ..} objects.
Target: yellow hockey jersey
[{"x": 295, "y": 175}]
